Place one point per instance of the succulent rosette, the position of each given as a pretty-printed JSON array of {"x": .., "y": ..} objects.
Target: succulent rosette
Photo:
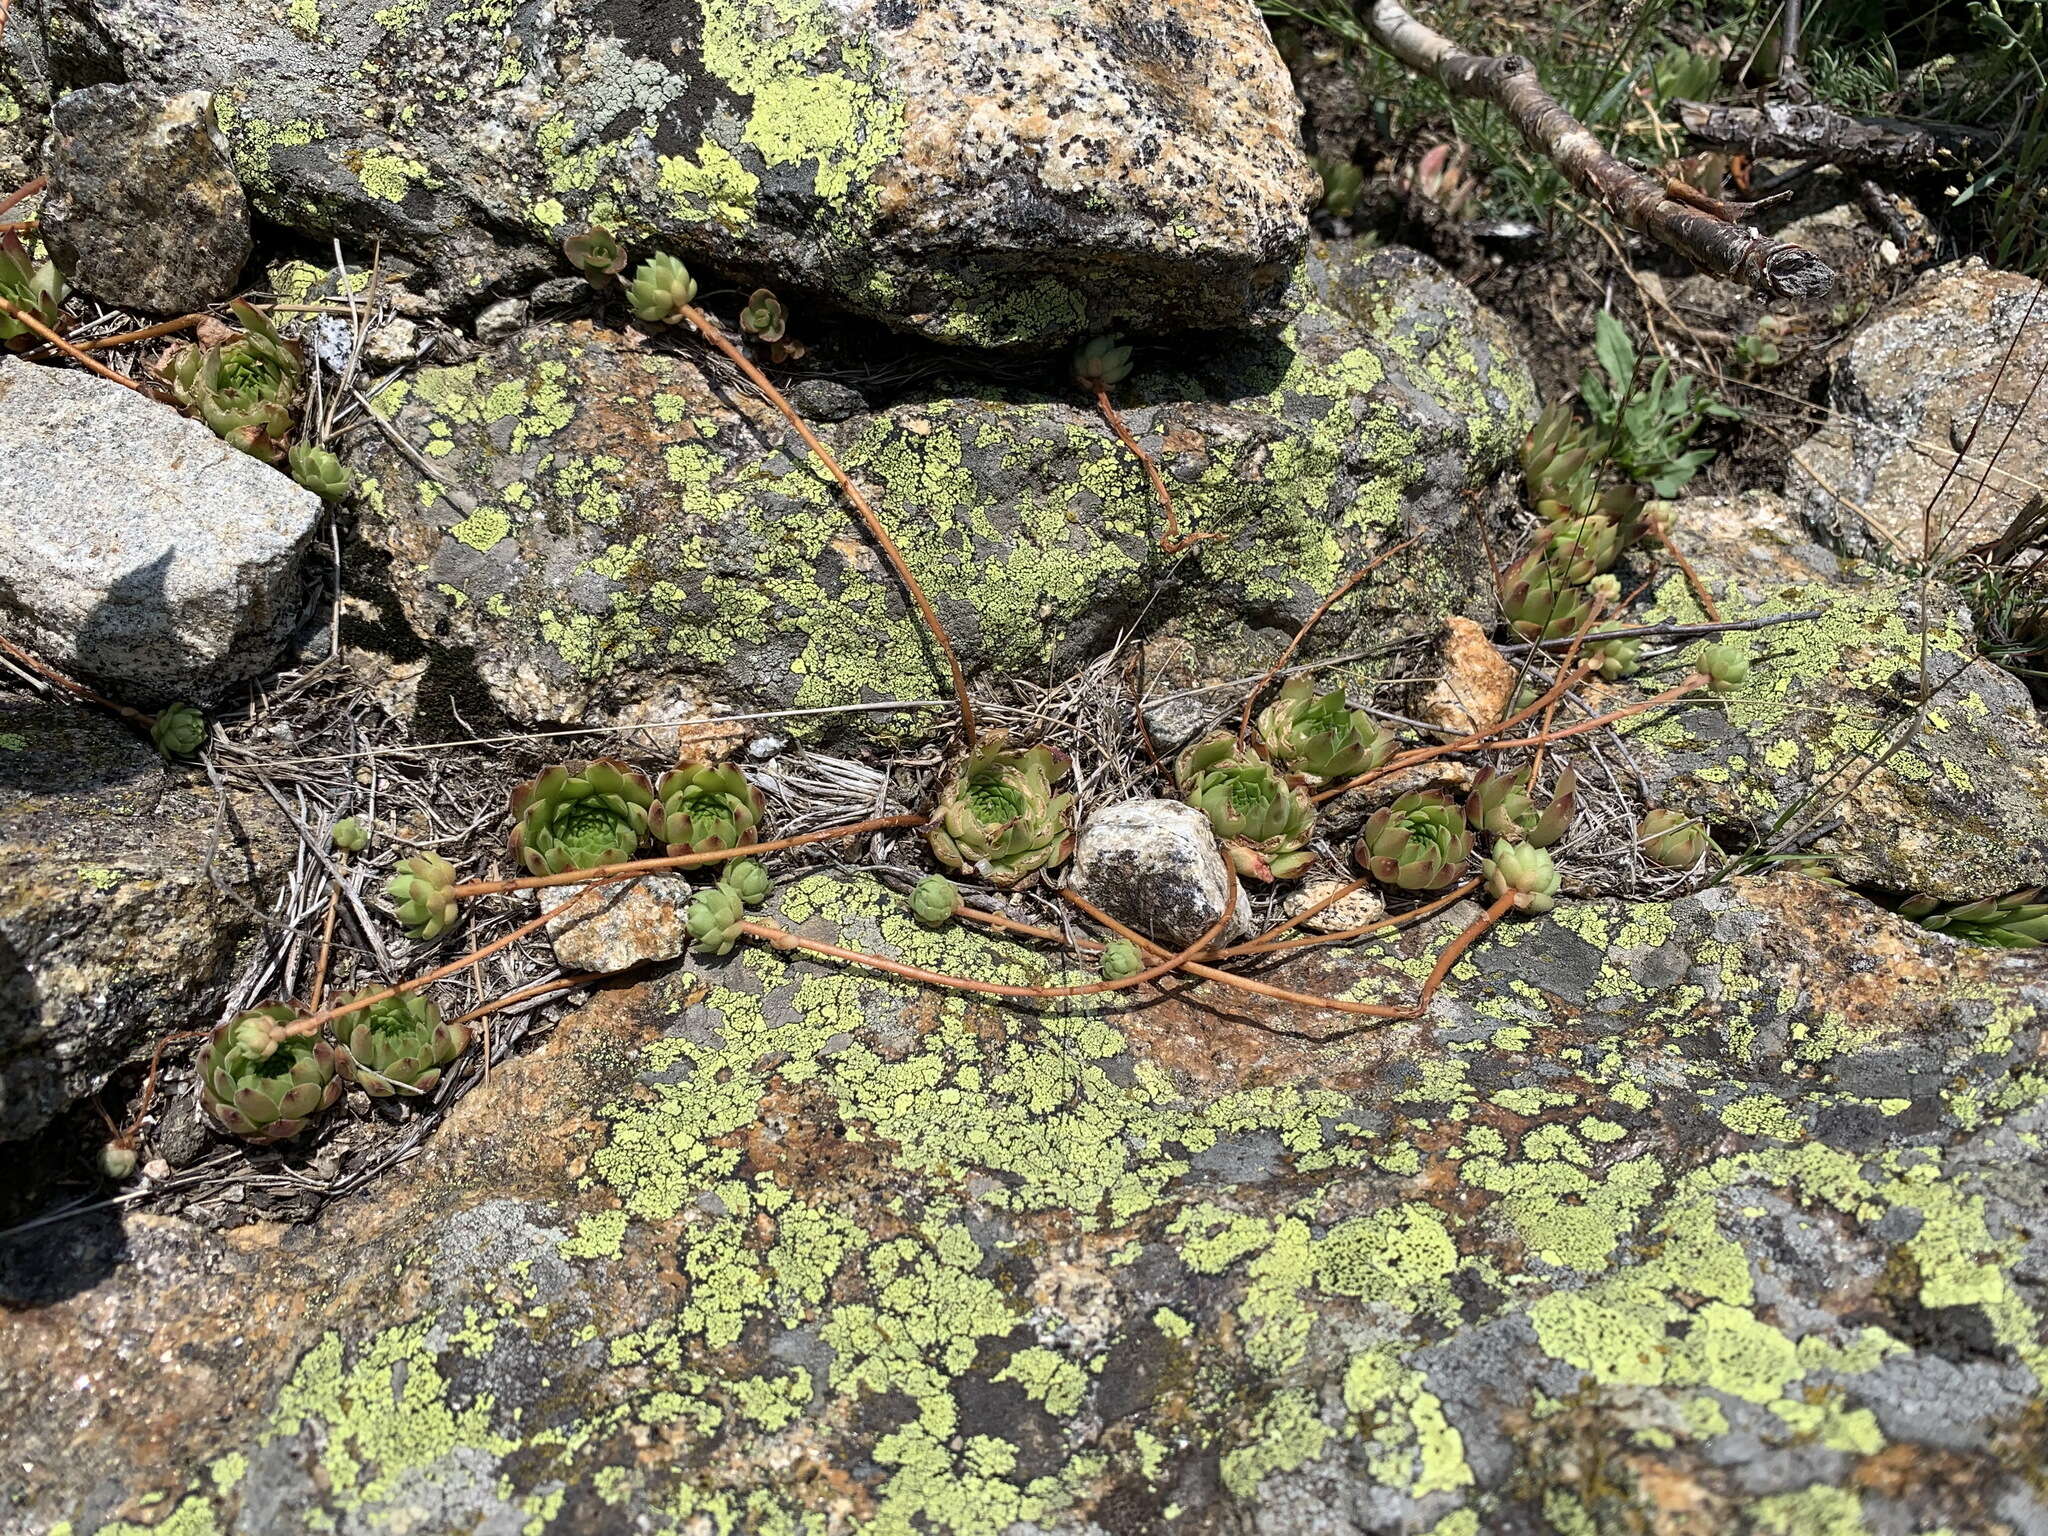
[
  {"x": 661, "y": 286},
  {"x": 713, "y": 918},
  {"x": 1319, "y": 736},
  {"x": 702, "y": 807},
  {"x": 1523, "y": 871},
  {"x": 1558, "y": 459},
  {"x": 2017, "y": 921},
  {"x": 749, "y": 880},
  {"x": 581, "y": 815},
  {"x": 421, "y": 893},
  {"x": 934, "y": 900},
  {"x": 179, "y": 730},
  {"x": 1001, "y": 815},
  {"x": 1617, "y": 658},
  {"x": 261, "y": 1086},
  {"x": 1672, "y": 839},
  {"x": 350, "y": 835},
  {"x": 1501, "y": 803},
  {"x": 1101, "y": 362},
  {"x": 398, "y": 1046},
  {"x": 596, "y": 252},
  {"x": 34, "y": 287},
  {"x": 1540, "y": 604},
  {"x": 1726, "y": 668},
  {"x": 1419, "y": 843},
  {"x": 319, "y": 472},
  {"x": 1579, "y": 548},
  {"x": 765, "y": 317},
  {"x": 243, "y": 388},
  {"x": 1263, "y": 816},
  {"x": 1120, "y": 959}
]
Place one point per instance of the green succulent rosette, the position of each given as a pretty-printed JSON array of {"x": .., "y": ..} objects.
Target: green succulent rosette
[
  {"x": 581, "y": 815},
  {"x": 398, "y": 1046},
  {"x": 34, "y": 287},
  {"x": 243, "y": 388},
  {"x": 1726, "y": 668},
  {"x": 1579, "y": 548},
  {"x": 260, "y": 1087},
  {"x": 934, "y": 900},
  {"x": 1100, "y": 362},
  {"x": 1001, "y": 815},
  {"x": 596, "y": 252},
  {"x": 1501, "y": 803},
  {"x": 661, "y": 286},
  {"x": 1319, "y": 736},
  {"x": 1419, "y": 843},
  {"x": 1672, "y": 839},
  {"x": 749, "y": 880},
  {"x": 179, "y": 730},
  {"x": 1616, "y": 659},
  {"x": 2017, "y": 921},
  {"x": 320, "y": 472},
  {"x": 713, "y": 919},
  {"x": 1524, "y": 871},
  {"x": 1541, "y": 605},
  {"x": 1559, "y": 457},
  {"x": 350, "y": 835},
  {"x": 1120, "y": 959},
  {"x": 765, "y": 317},
  {"x": 702, "y": 807},
  {"x": 420, "y": 891},
  {"x": 1263, "y": 816}
]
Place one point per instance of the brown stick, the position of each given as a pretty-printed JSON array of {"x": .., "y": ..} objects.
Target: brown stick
[
  {"x": 1692, "y": 577},
  {"x": 8, "y": 307},
  {"x": 1636, "y": 199},
  {"x": 1789, "y": 131},
  {"x": 611, "y": 872},
  {"x": 50, "y": 674},
  {"x": 1244, "y": 720},
  {"x": 1580, "y": 727},
  {"x": 20, "y": 194},
  {"x": 711, "y": 333},
  {"x": 310, "y": 1024},
  {"x": 319, "y": 989},
  {"x": 1362, "y": 931},
  {"x": 1463, "y": 942},
  {"x": 147, "y": 333},
  {"x": 782, "y": 938},
  {"x": 1173, "y": 543}
]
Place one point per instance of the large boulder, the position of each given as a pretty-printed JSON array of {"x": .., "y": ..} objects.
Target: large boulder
[
  {"x": 611, "y": 531},
  {"x": 1720, "y": 1214},
  {"x": 137, "y": 549},
  {"x": 125, "y": 901},
  {"x": 1937, "y": 430},
  {"x": 978, "y": 171},
  {"x": 1819, "y": 749}
]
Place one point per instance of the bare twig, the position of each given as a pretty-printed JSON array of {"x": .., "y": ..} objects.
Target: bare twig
[
  {"x": 1638, "y": 200},
  {"x": 1172, "y": 543},
  {"x": 1671, "y": 631},
  {"x": 8, "y": 307},
  {"x": 20, "y": 194},
  {"x": 1799, "y": 131}
]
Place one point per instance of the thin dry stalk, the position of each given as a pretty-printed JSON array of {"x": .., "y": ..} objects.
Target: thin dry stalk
[
  {"x": 1172, "y": 543},
  {"x": 8, "y": 307}
]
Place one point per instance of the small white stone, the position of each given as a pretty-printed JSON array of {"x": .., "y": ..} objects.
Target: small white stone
[
  {"x": 629, "y": 922},
  {"x": 497, "y": 321},
  {"x": 1155, "y": 866},
  {"x": 1354, "y": 911}
]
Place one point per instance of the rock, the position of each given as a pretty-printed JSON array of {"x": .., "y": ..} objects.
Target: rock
[
  {"x": 1355, "y": 910},
  {"x": 643, "y": 543},
  {"x": 964, "y": 169},
  {"x": 394, "y": 344},
  {"x": 1154, "y": 865},
  {"x": 138, "y": 550},
  {"x": 1904, "y": 398},
  {"x": 497, "y": 322},
  {"x": 1734, "y": 1197},
  {"x": 1959, "y": 812},
  {"x": 112, "y": 929},
  {"x": 627, "y": 923},
  {"x": 1475, "y": 685},
  {"x": 143, "y": 209},
  {"x": 24, "y": 108}
]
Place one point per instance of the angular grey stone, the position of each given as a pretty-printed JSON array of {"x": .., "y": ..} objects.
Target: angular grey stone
[
  {"x": 136, "y": 548},
  {"x": 1154, "y": 865},
  {"x": 143, "y": 209},
  {"x": 627, "y": 923}
]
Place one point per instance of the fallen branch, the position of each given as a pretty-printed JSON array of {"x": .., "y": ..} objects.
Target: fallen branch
[
  {"x": 1795, "y": 131},
  {"x": 1640, "y": 201},
  {"x": 50, "y": 674},
  {"x": 1672, "y": 631}
]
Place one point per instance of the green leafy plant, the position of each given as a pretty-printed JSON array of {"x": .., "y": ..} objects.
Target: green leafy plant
[
  {"x": 2000, "y": 922},
  {"x": 400, "y": 1045},
  {"x": 704, "y": 807},
  {"x": 1419, "y": 843},
  {"x": 179, "y": 731},
  {"x": 1726, "y": 668},
  {"x": 1646, "y": 426},
  {"x": 35, "y": 287},
  {"x": 1120, "y": 959},
  {"x": 1263, "y": 816},
  {"x": 763, "y": 316},
  {"x": 1672, "y": 839},
  {"x": 713, "y": 919},
  {"x": 1579, "y": 548},
  {"x": 595, "y": 252},
  {"x": 263, "y": 1086},
  {"x": 1100, "y": 362},
  {"x": 934, "y": 900},
  {"x": 661, "y": 287},
  {"x": 1539, "y": 604},
  {"x": 580, "y": 815},
  {"x": 1000, "y": 815},
  {"x": 350, "y": 835},
  {"x": 749, "y": 880},
  {"x": 1560, "y": 459},
  {"x": 1319, "y": 736},
  {"x": 243, "y": 387},
  {"x": 1525, "y": 871},
  {"x": 1343, "y": 184},
  {"x": 320, "y": 472},
  {"x": 421, "y": 893},
  {"x": 1500, "y": 803},
  {"x": 1617, "y": 658}
]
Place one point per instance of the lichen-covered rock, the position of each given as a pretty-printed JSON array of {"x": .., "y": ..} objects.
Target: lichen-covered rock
[
  {"x": 136, "y": 548},
  {"x": 628, "y": 923},
  {"x": 143, "y": 209},
  {"x": 977, "y": 171},
  {"x": 1154, "y": 865},
  {"x": 1916, "y": 429},
  {"x": 1817, "y": 740},
  {"x": 1734, "y": 1199},
  {"x": 630, "y": 540},
  {"x": 112, "y": 929},
  {"x": 24, "y": 101}
]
